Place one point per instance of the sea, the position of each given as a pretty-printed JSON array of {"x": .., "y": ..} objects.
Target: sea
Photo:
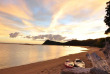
[{"x": 12, "y": 55}]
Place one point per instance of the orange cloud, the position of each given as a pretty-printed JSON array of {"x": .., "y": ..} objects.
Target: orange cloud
[
  {"x": 5, "y": 30},
  {"x": 28, "y": 24},
  {"x": 34, "y": 30},
  {"x": 60, "y": 9},
  {"x": 72, "y": 7},
  {"x": 15, "y": 10}
]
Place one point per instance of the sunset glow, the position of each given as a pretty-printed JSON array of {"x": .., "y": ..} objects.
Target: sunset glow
[{"x": 34, "y": 21}]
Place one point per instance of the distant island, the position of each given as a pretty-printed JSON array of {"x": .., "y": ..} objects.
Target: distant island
[{"x": 90, "y": 42}]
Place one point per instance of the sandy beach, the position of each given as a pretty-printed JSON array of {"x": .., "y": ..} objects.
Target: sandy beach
[{"x": 51, "y": 66}]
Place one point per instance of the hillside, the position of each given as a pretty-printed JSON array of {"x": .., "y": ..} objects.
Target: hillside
[
  {"x": 49, "y": 42},
  {"x": 90, "y": 42}
]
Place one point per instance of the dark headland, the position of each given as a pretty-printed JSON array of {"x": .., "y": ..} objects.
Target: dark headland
[{"x": 90, "y": 42}]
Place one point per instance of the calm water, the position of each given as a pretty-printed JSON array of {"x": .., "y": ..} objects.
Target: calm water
[{"x": 15, "y": 54}]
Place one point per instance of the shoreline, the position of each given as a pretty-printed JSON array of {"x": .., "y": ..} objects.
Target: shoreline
[{"x": 53, "y": 66}]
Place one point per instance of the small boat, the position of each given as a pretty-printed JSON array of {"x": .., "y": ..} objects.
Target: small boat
[
  {"x": 79, "y": 63},
  {"x": 69, "y": 64}
]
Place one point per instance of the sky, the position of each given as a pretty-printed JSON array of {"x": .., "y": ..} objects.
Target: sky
[{"x": 34, "y": 21}]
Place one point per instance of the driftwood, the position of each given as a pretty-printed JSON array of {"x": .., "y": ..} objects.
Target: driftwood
[
  {"x": 100, "y": 66},
  {"x": 98, "y": 62},
  {"x": 97, "y": 71},
  {"x": 76, "y": 70},
  {"x": 106, "y": 51}
]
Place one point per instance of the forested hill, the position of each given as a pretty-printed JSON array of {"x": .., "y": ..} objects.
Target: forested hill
[{"x": 90, "y": 42}]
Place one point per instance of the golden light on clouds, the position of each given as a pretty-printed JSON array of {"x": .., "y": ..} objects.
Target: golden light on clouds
[
  {"x": 73, "y": 8},
  {"x": 4, "y": 30},
  {"x": 72, "y": 19}
]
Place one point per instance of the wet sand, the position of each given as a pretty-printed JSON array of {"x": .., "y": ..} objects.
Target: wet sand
[{"x": 51, "y": 66}]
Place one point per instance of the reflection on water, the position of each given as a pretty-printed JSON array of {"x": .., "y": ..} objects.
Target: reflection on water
[{"x": 15, "y": 54}]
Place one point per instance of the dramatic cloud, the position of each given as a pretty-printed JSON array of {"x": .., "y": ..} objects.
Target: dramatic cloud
[
  {"x": 52, "y": 19},
  {"x": 28, "y": 37},
  {"x": 39, "y": 37},
  {"x": 14, "y": 35},
  {"x": 49, "y": 37},
  {"x": 11, "y": 7},
  {"x": 6, "y": 29},
  {"x": 79, "y": 10}
]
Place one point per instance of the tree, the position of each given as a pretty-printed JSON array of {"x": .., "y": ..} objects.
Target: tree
[{"x": 107, "y": 17}]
